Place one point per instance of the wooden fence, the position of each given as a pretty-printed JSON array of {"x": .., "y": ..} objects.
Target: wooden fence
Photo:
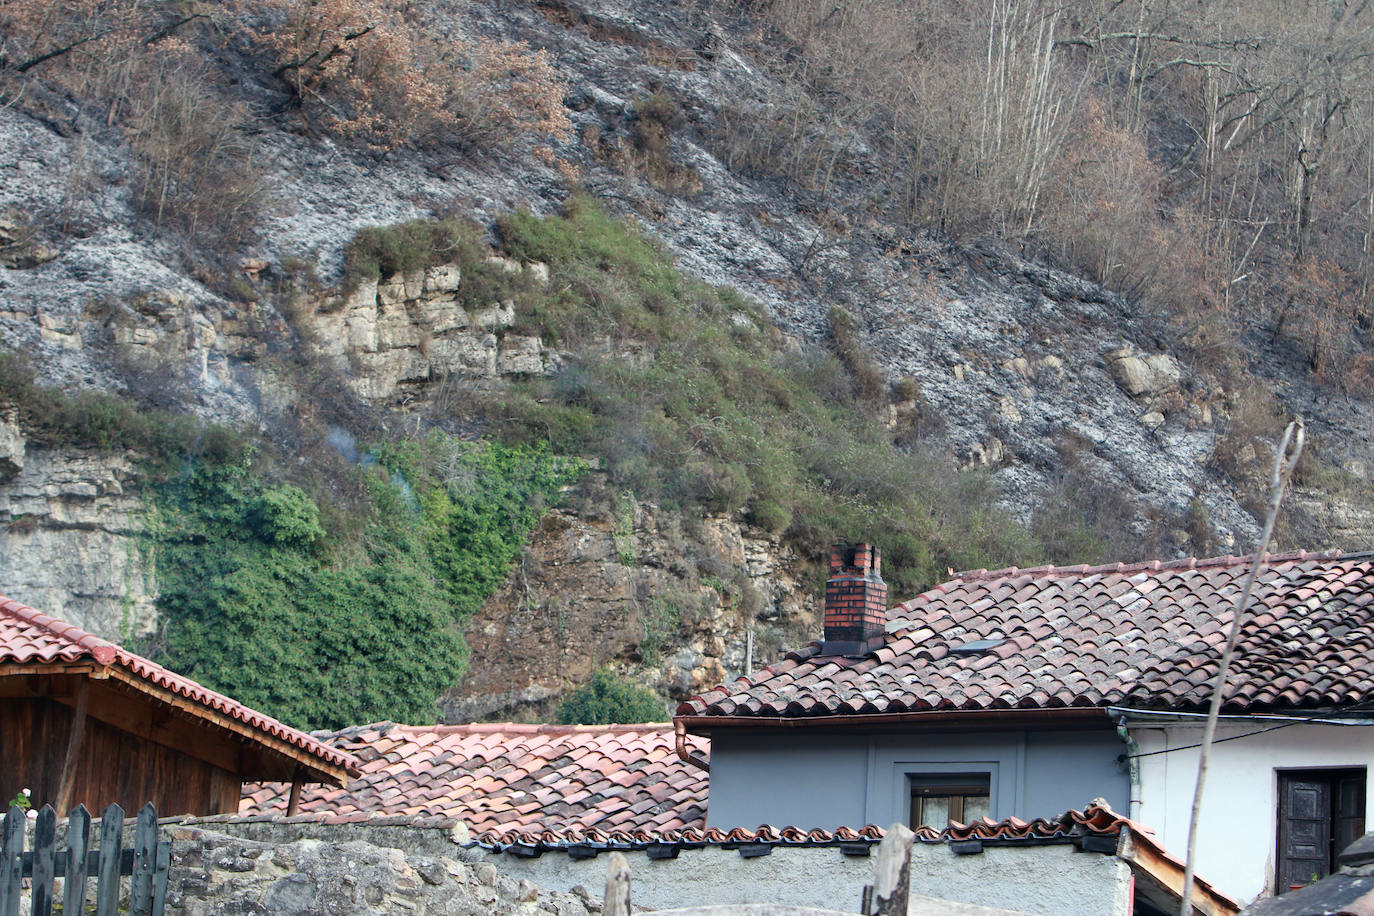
[{"x": 146, "y": 863}]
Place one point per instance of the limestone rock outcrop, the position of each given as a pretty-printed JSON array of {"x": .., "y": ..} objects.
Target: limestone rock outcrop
[
  {"x": 412, "y": 329},
  {"x": 688, "y": 608},
  {"x": 70, "y": 521}
]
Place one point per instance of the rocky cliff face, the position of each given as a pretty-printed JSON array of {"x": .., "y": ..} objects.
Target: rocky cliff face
[
  {"x": 685, "y": 605},
  {"x": 69, "y": 536},
  {"x": 1050, "y": 382}
]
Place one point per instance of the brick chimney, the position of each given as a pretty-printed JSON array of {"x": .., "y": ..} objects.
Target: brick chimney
[{"x": 855, "y": 601}]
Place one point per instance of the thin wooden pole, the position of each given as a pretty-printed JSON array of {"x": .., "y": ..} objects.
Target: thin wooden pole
[
  {"x": 892, "y": 885},
  {"x": 617, "y": 902},
  {"x": 1284, "y": 464},
  {"x": 78, "y": 734},
  {"x": 293, "y": 805},
  {"x": 164, "y": 862}
]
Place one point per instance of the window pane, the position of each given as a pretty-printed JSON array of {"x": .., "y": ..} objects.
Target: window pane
[
  {"x": 938, "y": 799},
  {"x": 934, "y": 812}
]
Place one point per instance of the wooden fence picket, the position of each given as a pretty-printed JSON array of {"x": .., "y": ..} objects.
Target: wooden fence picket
[
  {"x": 12, "y": 861},
  {"x": 78, "y": 843},
  {"x": 107, "y": 872},
  {"x": 145, "y": 858},
  {"x": 44, "y": 867}
]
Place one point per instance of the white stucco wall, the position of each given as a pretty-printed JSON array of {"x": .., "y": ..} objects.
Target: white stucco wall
[
  {"x": 1238, "y": 836},
  {"x": 1053, "y": 880}
]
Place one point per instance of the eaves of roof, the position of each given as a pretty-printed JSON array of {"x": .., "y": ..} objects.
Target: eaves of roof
[
  {"x": 1060, "y": 717},
  {"x": 36, "y": 644}
]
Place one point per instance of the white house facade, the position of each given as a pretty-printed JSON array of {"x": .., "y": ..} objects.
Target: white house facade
[{"x": 1281, "y": 799}]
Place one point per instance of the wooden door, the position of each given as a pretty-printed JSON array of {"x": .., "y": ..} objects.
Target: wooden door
[
  {"x": 1304, "y": 829},
  {"x": 1320, "y": 813}
]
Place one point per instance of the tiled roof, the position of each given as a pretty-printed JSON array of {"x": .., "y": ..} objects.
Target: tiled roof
[
  {"x": 31, "y": 639},
  {"x": 506, "y": 780},
  {"x": 557, "y": 786},
  {"x": 1144, "y": 635}
]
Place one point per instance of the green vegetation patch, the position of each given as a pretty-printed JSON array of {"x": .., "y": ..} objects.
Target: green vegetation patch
[
  {"x": 93, "y": 419},
  {"x": 699, "y": 403},
  {"x": 257, "y": 604},
  {"x": 383, "y": 251},
  {"x": 263, "y": 603},
  {"x": 477, "y": 506},
  {"x": 609, "y": 701}
]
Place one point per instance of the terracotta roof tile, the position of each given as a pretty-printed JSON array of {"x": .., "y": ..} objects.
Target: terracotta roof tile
[
  {"x": 512, "y": 780},
  {"x": 29, "y": 638},
  {"x": 1146, "y": 635},
  {"x": 1095, "y": 820}
]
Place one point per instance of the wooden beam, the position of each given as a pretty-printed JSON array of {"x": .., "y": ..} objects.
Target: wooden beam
[
  {"x": 1142, "y": 852},
  {"x": 31, "y": 684},
  {"x": 73, "y": 759},
  {"x": 313, "y": 768},
  {"x": 56, "y": 670},
  {"x": 293, "y": 806}
]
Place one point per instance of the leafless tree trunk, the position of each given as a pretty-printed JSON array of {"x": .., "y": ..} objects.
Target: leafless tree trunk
[{"x": 1284, "y": 464}]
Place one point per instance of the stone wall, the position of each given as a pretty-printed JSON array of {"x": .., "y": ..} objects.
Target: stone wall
[
  {"x": 69, "y": 546},
  {"x": 226, "y": 865},
  {"x": 1055, "y": 880},
  {"x": 216, "y": 873}
]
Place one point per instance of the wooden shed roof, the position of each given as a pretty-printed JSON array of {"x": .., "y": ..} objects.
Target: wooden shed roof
[{"x": 36, "y": 644}]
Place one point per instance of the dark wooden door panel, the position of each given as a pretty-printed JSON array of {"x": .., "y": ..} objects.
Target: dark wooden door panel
[
  {"x": 1349, "y": 810},
  {"x": 1320, "y": 813},
  {"x": 1304, "y": 829}
]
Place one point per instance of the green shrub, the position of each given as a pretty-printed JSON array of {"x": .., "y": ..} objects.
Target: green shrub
[
  {"x": 254, "y": 611},
  {"x": 608, "y": 701},
  {"x": 377, "y": 252},
  {"x": 286, "y": 515}
]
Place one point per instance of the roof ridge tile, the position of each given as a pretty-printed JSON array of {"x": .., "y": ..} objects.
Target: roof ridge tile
[
  {"x": 101, "y": 650},
  {"x": 1049, "y": 570}
]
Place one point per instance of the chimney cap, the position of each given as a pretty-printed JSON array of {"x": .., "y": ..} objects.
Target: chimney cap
[
  {"x": 855, "y": 601},
  {"x": 861, "y": 558}
]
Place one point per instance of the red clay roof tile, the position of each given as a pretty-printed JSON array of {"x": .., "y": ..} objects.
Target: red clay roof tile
[
  {"x": 513, "y": 780},
  {"x": 1147, "y": 635}
]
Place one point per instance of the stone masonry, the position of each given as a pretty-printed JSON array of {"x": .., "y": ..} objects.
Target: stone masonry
[{"x": 215, "y": 873}]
